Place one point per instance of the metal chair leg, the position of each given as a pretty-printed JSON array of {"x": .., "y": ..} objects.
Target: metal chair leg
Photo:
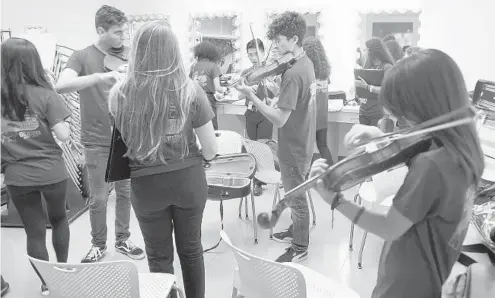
[
  {"x": 240, "y": 208},
  {"x": 179, "y": 291},
  {"x": 351, "y": 239},
  {"x": 255, "y": 223},
  {"x": 360, "y": 256},
  {"x": 275, "y": 196},
  {"x": 246, "y": 203},
  {"x": 312, "y": 207}
]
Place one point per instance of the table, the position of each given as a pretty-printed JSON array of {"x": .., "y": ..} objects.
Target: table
[{"x": 231, "y": 117}]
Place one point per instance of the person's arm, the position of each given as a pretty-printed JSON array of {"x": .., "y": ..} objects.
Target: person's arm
[
  {"x": 377, "y": 89},
  {"x": 70, "y": 81},
  {"x": 287, "y": 102},
  {"x": 56, "y": 114},
  {"x": 417, "y": 196},
  {"x": 215, "y": 73},
  {"x": 202, "y": 125},
  {"x": 278, "y": 116}
]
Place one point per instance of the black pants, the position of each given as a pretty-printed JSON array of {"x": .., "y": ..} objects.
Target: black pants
[
  {"x": 258, "y": 126},
  {"x": 28, "y": 201},
  {"x": 173, "y": 202},
  {"x": 321, "y": 143}
]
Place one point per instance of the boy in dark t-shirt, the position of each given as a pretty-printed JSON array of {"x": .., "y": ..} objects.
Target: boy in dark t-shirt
[
  {"x": 295, "y": 115},
  {"x": 85, "y": 73},
  {"x": 257, "y": 125}
]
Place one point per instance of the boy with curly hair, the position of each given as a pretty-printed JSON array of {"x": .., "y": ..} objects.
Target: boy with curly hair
[{"x": 294, "y": 115}]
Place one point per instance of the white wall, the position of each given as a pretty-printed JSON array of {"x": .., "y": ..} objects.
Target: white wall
[
  {"x": 461, "y": 28},
  {"x": 464, "y": 29}
]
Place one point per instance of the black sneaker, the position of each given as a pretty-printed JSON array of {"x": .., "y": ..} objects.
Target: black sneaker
[
  {"x": 44, "y": 290},
  {"x": 292, "y": 255},
  {"x": 129, "y": 249},
  {"x": 284, "y": 237},
  {"x": 94, "y": 254}
]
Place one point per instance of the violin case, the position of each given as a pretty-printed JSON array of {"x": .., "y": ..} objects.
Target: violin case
[{"x": 229, "y": 176}]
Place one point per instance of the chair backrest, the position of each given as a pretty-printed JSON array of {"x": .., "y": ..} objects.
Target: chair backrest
[
  {"x": 118, "y": 279},
  {"x": 262, "y": 153},
  {"x": 387, "y": 183},
  {"x": 266, "y": 279},
  {"x": 229, "y": 142}
]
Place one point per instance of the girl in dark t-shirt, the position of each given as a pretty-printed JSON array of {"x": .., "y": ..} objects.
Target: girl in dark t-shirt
[
  {"x": 159, "y": 112},
  {"x": 377, "y": 57},
  {"x": 316, "y": 53},
  {"x": 31, "y": 159},
  {"x": 206, "y": 72},
  {"x": 427, "y": 223}
]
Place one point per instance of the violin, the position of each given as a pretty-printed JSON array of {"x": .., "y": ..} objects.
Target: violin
[
  {"x": 372, "y": 157},
  {"x": 117, "y": 59},
  {"x": 275, "y": 68}
]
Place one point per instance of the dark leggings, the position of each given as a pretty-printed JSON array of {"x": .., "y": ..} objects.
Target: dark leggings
[
  {"x": 321, "y": 143},
  {"x": 167, "y": 204},
  {"x": 28, "y": 202}
]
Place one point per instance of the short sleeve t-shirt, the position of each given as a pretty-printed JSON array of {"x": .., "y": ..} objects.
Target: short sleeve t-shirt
[
  {"x": 298, "y": 93},
  {"x": 200, "y": 114},
  {"x": 30, "y": 154},
  {"x": 204, "y": 72},
  {"x": 437, "y": 196},
  {"x": 95, "y": 124},
  {"x": 371, "y": 106}
]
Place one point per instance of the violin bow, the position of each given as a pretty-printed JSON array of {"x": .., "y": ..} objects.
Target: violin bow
[{"x": 262, "y": 82}]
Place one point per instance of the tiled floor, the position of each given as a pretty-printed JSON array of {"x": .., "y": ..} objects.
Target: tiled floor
[{"x": 328, "y": 254}]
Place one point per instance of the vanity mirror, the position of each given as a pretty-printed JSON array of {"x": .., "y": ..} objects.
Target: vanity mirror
[
  {"x": 403, "y": 25},
  {"x": 221, "y": 29},
  {"x": 136, "y": 21}
]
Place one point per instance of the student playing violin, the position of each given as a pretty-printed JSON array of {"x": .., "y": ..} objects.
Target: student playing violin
[
  {"x": 429, "y": 217},
  {"x": 85, "y": 73}
]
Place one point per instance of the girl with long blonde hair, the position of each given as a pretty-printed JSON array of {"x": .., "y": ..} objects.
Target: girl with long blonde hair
[{"x": 159, "y": 111}]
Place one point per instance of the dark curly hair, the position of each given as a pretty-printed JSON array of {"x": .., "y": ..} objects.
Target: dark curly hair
[
  {"x": 288, "y": 24},
  {"x": 395, "y": 50},
  {"x": 378, "y": 50},
  {"x": 207, "y": 50},
  {"x": 316, "y": 53},
  {"x": 108, "y": 16}
]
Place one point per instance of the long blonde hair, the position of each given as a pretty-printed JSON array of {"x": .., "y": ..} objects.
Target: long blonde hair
[{"x": 156, "y": 82}]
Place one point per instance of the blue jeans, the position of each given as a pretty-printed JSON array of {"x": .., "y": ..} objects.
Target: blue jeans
[
  {"x": 293, "y": 176},
  {"x": 96, "y": 162}
]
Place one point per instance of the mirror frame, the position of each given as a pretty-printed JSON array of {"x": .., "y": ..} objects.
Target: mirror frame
[
  {"x": 366, "y": 18},
  {"x": 139, "y": 19},
  {"x": 236, "y": 33},
  {"x": 318, "y": 11}
]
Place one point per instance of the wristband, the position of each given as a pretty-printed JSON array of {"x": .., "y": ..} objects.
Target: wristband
[
  {"x": 358, "y": 215},
  {"x": 209, "y": 160},
  {"x": 369, "y": 88}
]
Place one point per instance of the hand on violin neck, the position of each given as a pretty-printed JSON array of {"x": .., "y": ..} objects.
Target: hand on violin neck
[
  {"x": 111, "y": 77},
  {"x": 244, "y": 89},
  {"x": 359, "y": 134}
]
